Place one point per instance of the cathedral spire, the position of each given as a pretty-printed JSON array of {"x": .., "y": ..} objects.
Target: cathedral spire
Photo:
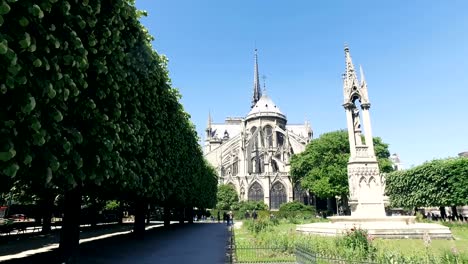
[
  {"x": 208, "y": 124},
  {"x": 257, "y": 92}
]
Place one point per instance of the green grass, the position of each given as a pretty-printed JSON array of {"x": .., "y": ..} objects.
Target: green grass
[{"x": 285, "y": 237}]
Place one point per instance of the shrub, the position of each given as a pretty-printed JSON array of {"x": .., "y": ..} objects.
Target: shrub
[
  {"x": 296, "y": 210},
  {"x": 259, "y": 225},
  {"x": 295, "y": 206},
  {"x": 245, "y": 206},
  {"x": 359, "y": 240}
]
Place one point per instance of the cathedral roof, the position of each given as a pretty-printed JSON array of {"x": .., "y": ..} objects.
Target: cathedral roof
[{"x": 265, "y": 107}]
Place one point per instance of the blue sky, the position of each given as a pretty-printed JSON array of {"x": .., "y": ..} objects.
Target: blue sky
[{"x": 414, "y": 54}]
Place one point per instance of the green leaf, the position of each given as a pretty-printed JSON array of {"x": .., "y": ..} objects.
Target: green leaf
[
  {"x": 27, "y": 160},
  {"x": 4, "y": 8},
  {"x": 3, "y": 47},
  {"x": 50, "y": 91},
  {"x": 30, "y": 105},
  {"x": 11, "y": 170},
  {"x": 26, "y": 42},
  {"x": 58, "y": 117},
  {"x": 3, "y": 88},
  {"x": 24, "y": 22},
  {"x": 37, "y": 63},
  {"x": 36, "y": 11},
  {"x": 6, "y": 156}
]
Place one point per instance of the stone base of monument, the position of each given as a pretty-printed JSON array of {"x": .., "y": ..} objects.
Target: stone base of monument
[{"x": 396, "y": 227}]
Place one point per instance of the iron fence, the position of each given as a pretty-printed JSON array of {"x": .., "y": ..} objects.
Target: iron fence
[
  {"x": 264, "y": 255},
  {"x": 298, "y": 254}
]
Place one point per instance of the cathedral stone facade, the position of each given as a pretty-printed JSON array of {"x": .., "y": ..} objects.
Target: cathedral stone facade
[{"x": 252, "y": 153}]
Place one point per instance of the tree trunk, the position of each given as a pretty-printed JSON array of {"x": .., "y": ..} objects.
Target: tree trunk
[
  {"x": 148, "y": 215},
  {"x": 182, "y": 215},
  {"x": 121, "y": 213},
  {"x": 443, "y": 214},
  {"x": 47, "y": 210},
  {"x": 190, "y": 215},
  {"x": 345, "y": 204},
  {"x": 329, "y": 205},
  {"x": 70, "y": 233},
  {"x": 139, "y": 224},
  {"x": 167, "y": 216},
  {"x": 454, "y": 213},
  {"x": 93, "y": 213}
]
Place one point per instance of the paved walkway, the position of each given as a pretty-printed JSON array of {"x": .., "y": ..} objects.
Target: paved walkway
[{"x": 197, "y": 243}]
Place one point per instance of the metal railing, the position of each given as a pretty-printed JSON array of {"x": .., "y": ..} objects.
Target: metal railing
[
  {"x": 298, "y": 254},
  {"x": 264, "y": 255}
]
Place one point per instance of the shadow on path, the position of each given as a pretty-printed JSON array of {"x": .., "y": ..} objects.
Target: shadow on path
[
  {"x": 14, "y": 244},
  {"x": 195, "y": 243}
]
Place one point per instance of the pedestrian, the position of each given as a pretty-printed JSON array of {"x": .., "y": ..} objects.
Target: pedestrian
[
  {"x": 218, "y": 216},
  {"x": 247, "y": 214},
  {"x": 254, "y": 215}
]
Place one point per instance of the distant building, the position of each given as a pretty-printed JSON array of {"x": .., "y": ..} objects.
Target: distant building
[
  {"x": 252, "y": 153},
  {"x": 397, "y": 164}
]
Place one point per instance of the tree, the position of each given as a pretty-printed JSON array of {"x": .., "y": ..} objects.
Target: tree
[
  {"x": 322, "y": 167},
  {"x": 227, "y": 197},
  {"x": 434, "y": 183}
]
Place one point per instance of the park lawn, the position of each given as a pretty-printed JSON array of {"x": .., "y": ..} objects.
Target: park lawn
[
  {"x": 284, "y": 235},
  {"x": 437, "y": 246}
]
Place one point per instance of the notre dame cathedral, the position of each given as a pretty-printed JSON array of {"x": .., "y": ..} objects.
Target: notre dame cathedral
[{"x": 252, "y": 153}]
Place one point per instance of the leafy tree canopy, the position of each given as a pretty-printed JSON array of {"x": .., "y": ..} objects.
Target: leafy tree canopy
[
  {"x": 227, "y": 197},
  {"x": 322, "y": 167},
  {"x": 434, "y": 183}
]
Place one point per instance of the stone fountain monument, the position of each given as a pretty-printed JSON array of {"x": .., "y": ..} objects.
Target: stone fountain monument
[{"x": 366, "y": 183}]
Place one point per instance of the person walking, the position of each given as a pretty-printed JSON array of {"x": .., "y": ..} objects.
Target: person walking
[{"x": 218, "y": 217}]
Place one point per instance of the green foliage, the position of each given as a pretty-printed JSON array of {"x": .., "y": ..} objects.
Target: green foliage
[
  {"x": 358, "y": 239},
  {"x": 261, "y": 224},
  {"x": 434, "y": 183},
  {"x": 295, "y": 212},
  {"x": 350, "y": 247},
  {"x": 322, "y": 167},
  {"x": 295, "y": 206},
  {"x": 227, "y": 196},
  {"x": 245, "y": 206},
  {"x": 87, "y": 102},
  {"x": 112, "y": 205}
]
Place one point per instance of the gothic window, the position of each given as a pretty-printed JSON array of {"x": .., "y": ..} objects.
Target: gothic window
[
  {"x": 260, "y": 164},
  {"x": 300, "y": 195},
  {"x": 280, "y": 138},
  {"x": 256, "y": 192},
  {"x": 277, "y": 195},
  {"x": 254, "y": 139},
  {"x": 269, "y": 136},
  {"x": 274, "y": 166},
  {"x": 261, "y": 134},
  {"x": 235, "y": 166}
]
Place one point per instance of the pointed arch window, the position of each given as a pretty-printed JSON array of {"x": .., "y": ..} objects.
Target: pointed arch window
[
  {"x": 256, "y": 192},
  {"x": 280, "y": 138},
  {"x": 235, "y": 166},
  {"x": 269, "y": 136},
  {"x": 277, "y": 195}
]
